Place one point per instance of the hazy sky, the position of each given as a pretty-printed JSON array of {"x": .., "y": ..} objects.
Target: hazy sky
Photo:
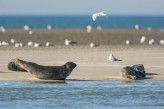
[{"x": 56, "y": 7}]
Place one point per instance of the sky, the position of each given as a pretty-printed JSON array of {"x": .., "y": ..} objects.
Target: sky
[{"x": 81, "y": 7}]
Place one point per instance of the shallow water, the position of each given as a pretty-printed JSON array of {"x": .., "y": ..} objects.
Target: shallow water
[{"x": 82, "y": 95}]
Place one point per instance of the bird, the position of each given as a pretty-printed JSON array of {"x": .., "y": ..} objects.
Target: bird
[
  {"x": 137, "y": 27},
  {"x": 99, "y": 28},
  {"x": 17, "y": 45},
  {"x": 12, "y": 40},
  {"x": 67, "y": 42},
  {"x": 89, "y": 28},
  {"x": 127, "y": 42},
  {"x": 48, "y": 44},
  {"x": 49, "y": 27},
  {"x": 112, "y": 58},
  {"x": 37, "y": 44},
  {"x": 30, "y": 32},
  {"x": 94, "y": 16},
  {"x": 151, "y": 42},
  {"x": 26, "y": 27},
  {"x": 4, "y": 43},
  {"x": 30, "y": 43},
  {"x": 93, "y": 45},
  {"x": 2, "y": 29},
  {"x": 143, "y": 38},
  {"x": 162, "y": 42}
]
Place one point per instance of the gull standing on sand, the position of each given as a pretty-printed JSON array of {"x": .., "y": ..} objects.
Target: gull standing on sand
[
  {"x": 151, "y": 42},
  {"x": 2, "y": 29},
  {"x": 26, "y": 27},
  {"x": 162, "y": 42},
  {"x": 93, "y": 45},
  {"x": 112, "y": 58},
  {"x": 143, "y": 38},
  {"x": 127, "y": 42},
  {"x": 12, "y": 40},
  {"x": 89, "y": 28},
  {"x": 30, "y": 32},
  {"x": 30, "y": 43},
  {"x": 94, "y": 16},
  {"x": 48, "y": 44},
  {"x": 49, "y": 27},
  {"x": 137, "y": 27}
]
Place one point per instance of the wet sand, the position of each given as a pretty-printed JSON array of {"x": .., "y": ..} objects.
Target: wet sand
[{"x": 92, "y": 63}]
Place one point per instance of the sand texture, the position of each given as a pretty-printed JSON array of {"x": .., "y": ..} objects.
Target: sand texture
[{"x": 92, "y": 63}]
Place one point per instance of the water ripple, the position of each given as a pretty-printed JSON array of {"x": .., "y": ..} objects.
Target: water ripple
[{"x": 82, "y": 94}]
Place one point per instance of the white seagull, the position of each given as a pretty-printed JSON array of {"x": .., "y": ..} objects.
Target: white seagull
[
  {"x": 112, "y": 58},
  {"x": 97, "y": 14}
]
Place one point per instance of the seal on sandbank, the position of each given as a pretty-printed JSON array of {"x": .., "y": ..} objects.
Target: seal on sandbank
[
  {"x": 135, "y": 72},
  {"x": 42, "y": 72}
]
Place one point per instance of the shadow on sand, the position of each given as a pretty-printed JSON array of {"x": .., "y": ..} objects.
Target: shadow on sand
[
  {"x": 4, "y": 72},
  {"x": 150, "y": 75}
]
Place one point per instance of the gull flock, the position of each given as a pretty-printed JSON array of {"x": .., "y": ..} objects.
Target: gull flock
[{"x": 68, "y": 42}]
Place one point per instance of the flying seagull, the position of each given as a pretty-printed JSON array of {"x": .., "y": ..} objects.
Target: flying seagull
[{"x": 98, "y": 14}]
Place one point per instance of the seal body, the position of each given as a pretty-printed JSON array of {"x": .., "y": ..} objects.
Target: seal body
[
  {"x": 45, "y": 72},
  {"x": 135, "y": 72}
]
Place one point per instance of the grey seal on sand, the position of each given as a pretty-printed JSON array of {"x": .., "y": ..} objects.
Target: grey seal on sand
[
  {"x": 135, "y": 72},
  {"x": 42, "y": 72}
]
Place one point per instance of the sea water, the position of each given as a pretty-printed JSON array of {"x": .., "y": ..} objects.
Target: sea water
[
  {"x": 81, "y": 22},
  {"x": 82, "y": 95}
]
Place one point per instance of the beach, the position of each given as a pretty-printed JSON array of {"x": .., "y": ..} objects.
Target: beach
[{"x": 92, "y": 63}]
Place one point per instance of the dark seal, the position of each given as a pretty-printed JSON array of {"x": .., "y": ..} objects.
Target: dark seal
[
  {"x": 42, "y": 72},
  {"x": 135, "y": 72}
]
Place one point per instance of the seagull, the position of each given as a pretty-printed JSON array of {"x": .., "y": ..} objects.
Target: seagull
[
  {"x": 26, "y": 27},
  {"x": 48, "y": 44},
  {"x": 162, "y": 42},
  {"x": 89, "y": 28},
  {"x": 12, "y": 40},
  {"x": 30, "y": 43},
  {"x": 112, "y": 58},
  {"x": 127, "y": 42},
  {"x": 137, "y": 27},
  {"x": 49, "y": 27},
  {"x": 151, "y": 42},
  {"x": 143, "y": 38},
  {"x": 98, "y": 14},
  {"x": 93, "y": 45},
  {"x": 30, "y": 32}
]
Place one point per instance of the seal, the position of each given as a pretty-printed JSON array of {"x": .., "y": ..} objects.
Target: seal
[
  {"x": 42, "y": 72},
  {"x": 135, "y": 72}
]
